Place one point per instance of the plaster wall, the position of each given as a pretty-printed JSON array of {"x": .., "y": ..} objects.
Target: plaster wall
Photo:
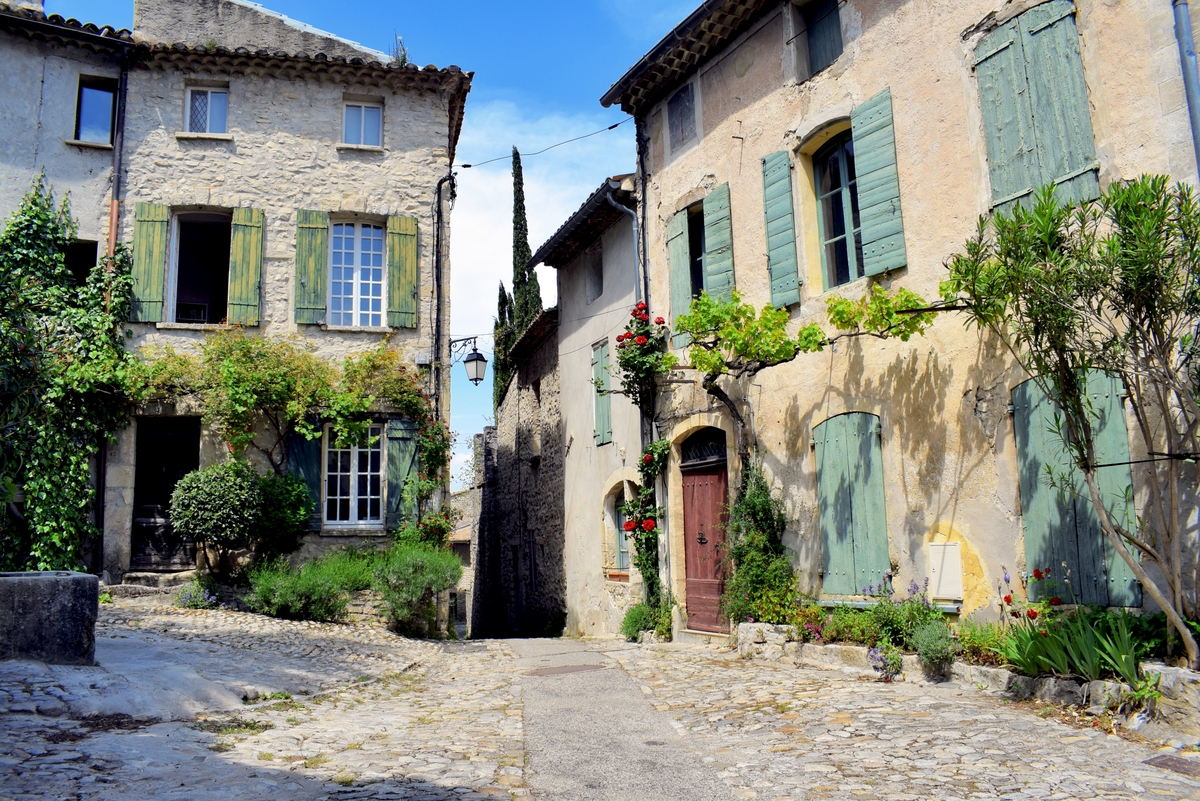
[
  {"x": 597, "y": 476},
  {"x": 949, "y": 458}
]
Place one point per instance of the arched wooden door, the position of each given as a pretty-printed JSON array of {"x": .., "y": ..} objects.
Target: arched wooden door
[{"x": 705, "y": 495}]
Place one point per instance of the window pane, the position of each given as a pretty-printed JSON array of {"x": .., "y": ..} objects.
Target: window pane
[
  {"x": 372, "y": 126},
  {"x": 198, "y": 113},
  {"x": 352, "y": 129},
  {"x": 95, "y": 115},
  {"x": 829, "y": 172},
  {"x": 848, "y": 155},
  {"x": 835, "y": 217},
  {"x": 218, "y": 106},
  {"x": 837, "y": 262}
]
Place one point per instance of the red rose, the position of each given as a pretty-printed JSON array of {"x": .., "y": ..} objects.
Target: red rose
[
  {"x": 659, "y": 321},
  {"x": 1031, "y": 614},
  {"x": 1037, "y": 574},
  {"x": 1008, "y": 600},
  {"x": 641, "y": 306},
  {"x": 1015, "y": 613},
  {"x": 645, "y": 318},
  {"x": 648, "y": 524},
  {"x": 1045, "y": 633},
  {"x": 1056, "y": 601},
  {"x": 630, "y": 525},
  {"x": 640, "y": 341},
  {"x": 647, "y": 459}
]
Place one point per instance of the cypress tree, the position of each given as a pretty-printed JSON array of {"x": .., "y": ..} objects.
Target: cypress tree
[
  {"x": 527, "y": 294},
  {"x": 503, "y": 335}
]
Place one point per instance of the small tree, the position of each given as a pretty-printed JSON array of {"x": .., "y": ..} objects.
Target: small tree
[{"x": 218, "y": 506}]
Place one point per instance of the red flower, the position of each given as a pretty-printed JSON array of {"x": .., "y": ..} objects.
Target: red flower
[
  {"x": 648, "y": 524},
  {"x": 641, "y": 306},
  {"x": 1031, "y": 614},
  {"x": 640, "y": 341},
  {"x": 647, "y": 459},
  {"x": 1015, "y": 613},
  {"x": 1056, "y": 601},
  {"x": 1008, "y": 600},
  {"x": 659, "y": 321},
  {"x": 630, "y": 525},
  {"x": 1037, "y": 574},
  {"x": 1045, "y": 633}
]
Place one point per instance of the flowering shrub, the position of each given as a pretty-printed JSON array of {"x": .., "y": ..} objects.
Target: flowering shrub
[
  {"x": 885, "y": 658},
  {"x": 642, "y": 515},
  {"x": 196, "y": 594},
  {"x": 642, "y": 356}
]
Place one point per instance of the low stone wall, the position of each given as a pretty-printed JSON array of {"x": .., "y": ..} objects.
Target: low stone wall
[{"x": 49, "y": 616}]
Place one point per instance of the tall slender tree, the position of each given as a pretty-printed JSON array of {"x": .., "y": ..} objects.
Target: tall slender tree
[
  {"x": 527, "y": 294},
  {"x": 503, "y": 335}
]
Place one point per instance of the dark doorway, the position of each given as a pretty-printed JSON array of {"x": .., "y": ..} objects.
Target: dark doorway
[
  {"x": 80, "y": 257},
  {"x": 696, "y": 247},
  {"x": 167, "y": 449},
  {"x": 202, "y": 288},
  {"x": 705, "y": 495}
]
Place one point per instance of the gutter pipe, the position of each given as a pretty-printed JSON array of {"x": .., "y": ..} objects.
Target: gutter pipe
[
  {"x": 114, "y": 212},
  {"x": 638, "y": 269},
  {"x": 1187, "y": 60},
  {"x": 437, "y": 287}
]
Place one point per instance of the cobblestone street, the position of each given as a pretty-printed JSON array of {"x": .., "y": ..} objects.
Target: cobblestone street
[{"x": 355, "y": 712}]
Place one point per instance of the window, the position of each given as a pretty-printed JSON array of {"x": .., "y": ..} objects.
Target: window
[
  {"x": 202, "y": 267},
  {"x": 354, "y": 480},
  {"x": 695, "y": 235},
  {"x": 81, "y": 256},
  {"x": 207, "y": 110},
  {"x": 1036, "y": 114},
  {"x": 95, "y": 113},
  {"x": 602, "y": 401},
  {"x": 838, "y": 218},
  {"x": 824, "y": 34},
  {"x": 363, "y": 125},
  {"x": 622, "y": 535},
  {"x": 700, "y": 253},
  {"x": 681, "y": 118},
  {"x": 593, "y": 275},
  {"x": 356, "y": 275}
]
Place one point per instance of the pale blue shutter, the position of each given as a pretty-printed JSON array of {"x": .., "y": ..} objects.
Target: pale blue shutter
[
  {"x": 878, "y": 185},
  {"x": 304, "y": 462},
  {"x": 834, "y": 507},
  {"x": 603, "y": 401},
  {"x": 781, "y": 229},
  {"x": 1007, "y": 115},
  {"x": 400, "y": 454},
  {"x": 681, "y": 271},
  {"x": 718, "y": 244}
]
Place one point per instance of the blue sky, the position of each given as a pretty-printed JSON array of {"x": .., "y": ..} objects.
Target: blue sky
[{"x": 540, "y": 68}]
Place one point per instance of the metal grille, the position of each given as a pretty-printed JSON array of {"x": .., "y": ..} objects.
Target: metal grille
[
  {"x": 707, "y": 445},
  {"x": 198, "y": 119}
]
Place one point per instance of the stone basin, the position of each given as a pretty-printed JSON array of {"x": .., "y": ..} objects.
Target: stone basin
[{"x": 49, "y": 616}]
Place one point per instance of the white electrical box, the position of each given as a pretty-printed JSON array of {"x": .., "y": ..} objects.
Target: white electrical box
[{"x": 945, "y": 571}]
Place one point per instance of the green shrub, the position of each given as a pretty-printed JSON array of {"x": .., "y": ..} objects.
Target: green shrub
[
  {"x": 409, "y": 577},
  {"x": 219, "y": 505},
  {"x": 981, "y": 642},
  {"x": 848, "y": 624},
  {"x": 349, "y": 569},
  {"x": 283, "y": 519},
  {"x": 886, "y": 659},
  {"x": 898, "y": 621},
  {"x": 638, "y": 618},
  {"x": 278, "y": 590},
  {"x": 934, "y": 644},
  {"x": 761, "y": 584},
  {"x": 197, "y": 594},
  {"x": 809, "y": 621}
]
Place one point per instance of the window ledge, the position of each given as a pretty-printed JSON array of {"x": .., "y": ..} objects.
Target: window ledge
[
  {"x": 193, "y": 327},
  {"x": 218, "y": 137},
  {"x": 363, "y": 148},
  {"x": 352, "y": 530},
  {"x": 357, "y": 329},
  {"x": 92, "y": 145},
  {"x": 616, "y": 575}
]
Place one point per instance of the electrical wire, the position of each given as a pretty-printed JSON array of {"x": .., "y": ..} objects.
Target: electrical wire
[{"x": 543, "y": 150}]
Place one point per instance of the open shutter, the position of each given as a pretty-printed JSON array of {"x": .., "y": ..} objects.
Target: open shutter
[
  {"x": 245, "y": 266},
  {"x": 718, "y": 244},
  {"x": 865, "y": 467},
  {"x": 878, "y": 185},
  {"x": 402, "y": 272},
  {"x": 401, "y": 457},
  {"x": 1062, "y": 119},
  {"x": 1007, "y": 116},
  {"x": 781, "y": 229},
  {"x": 603, "y": 401},
  {"x": 834, "y": 507},
  {"x": 681, "y": 271},
  {"x": 150, "y": 223},
  {"x": 304, "y": 462},
  {"x": 312, "y": 265}
]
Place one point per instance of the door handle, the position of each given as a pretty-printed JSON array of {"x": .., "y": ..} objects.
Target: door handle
[{"x": 700, "y": 538}]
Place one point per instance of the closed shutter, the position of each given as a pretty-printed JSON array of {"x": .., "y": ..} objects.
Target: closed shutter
[
  {"x": 1111, "y": 439},
  {"x": 304, "y": 462},
  {"x": 312, "y": 265},
  {"x": 150, "y": 223},
  {"x": 834, "y": 508},
  {"x": 402, "y": 463},
  {"x": 718, "y": 244},
  {"x": 402, "y": 272},
  {"x": 603, "y": 401},
  {"x": 878, "y": 185},
  {"x": 781, "y": 229},
  {"x": 681, "y": 271},
  {"x": 245, "y": 266},
  {"x": 865, "y": 467},
  {"x": 1007, "y": 115}
]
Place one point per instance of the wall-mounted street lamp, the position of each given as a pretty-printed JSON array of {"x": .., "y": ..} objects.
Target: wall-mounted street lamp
[{"x": 475, "y": 362}]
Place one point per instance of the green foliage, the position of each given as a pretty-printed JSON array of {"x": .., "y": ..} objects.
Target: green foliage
[
  {"x": 848, "y": 624},
  {"x": 219, "y": 505},
  {"x": 62, "y": 367},
  {"x": 409, "y": 578},
  {"x": 1086, "y": 644},
  {"x": 527, "y": 294},
  {"x": 761, "y": 585},
  {"x": 898, "y": 620},
  {"x": 642, "y": 356},
  {"x": 886, "y": 659},
  {"x": 431, "y": 529},
  {"x": 981, "y": 641},
  {"x": 283, "y": 516},
  {"x": 504, "y": 335},
  {"x": 808, "y": 623},
  {"x": 638, "y": 618},
  {"x": 934, "y": 644},
  {"x": 729, "y": 336},
  {"x": 199, "y": 593},
  {"x": 641, "y": 518},
  {"x": 278, "y": 590},
  {"x": 902, "y": 314},
  {"x": 349, "y": 569}
]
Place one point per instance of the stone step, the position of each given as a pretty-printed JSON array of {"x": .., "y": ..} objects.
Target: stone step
[
  {"x": 694, "y": 637},
  {"x": 148, "y": 579}
]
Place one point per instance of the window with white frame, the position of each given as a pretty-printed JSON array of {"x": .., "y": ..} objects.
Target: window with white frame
[
  {"x": 354, "y": 480},
  {"x": 207, "y": 110},
  {"x": 362, "y": 124},
  {"x": 356, "y": 274}
]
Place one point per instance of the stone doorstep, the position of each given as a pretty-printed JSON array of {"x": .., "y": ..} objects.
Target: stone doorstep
[{"x": 159, "y": 580}]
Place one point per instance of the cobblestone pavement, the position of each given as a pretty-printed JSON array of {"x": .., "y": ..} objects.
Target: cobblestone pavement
[{"x": 372, "y": 715}]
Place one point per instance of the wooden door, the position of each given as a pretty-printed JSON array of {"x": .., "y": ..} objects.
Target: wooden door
[
  {"x": 168, "y": 448},
  {"x": 705, "y": 494}
]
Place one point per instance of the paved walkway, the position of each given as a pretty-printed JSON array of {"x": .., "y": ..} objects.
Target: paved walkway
[{"x": 371, "y": 715}]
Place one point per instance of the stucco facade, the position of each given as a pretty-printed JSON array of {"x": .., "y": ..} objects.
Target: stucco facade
[{"x": 942, "y": 400}]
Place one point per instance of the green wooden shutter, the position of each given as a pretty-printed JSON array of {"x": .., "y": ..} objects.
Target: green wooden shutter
[
  {"x": 878, "y": 185},
  {"x": 718, "y": 244},
  {"x": 781, "y": 229},
  {"x": 150, "y": 223},
  {"x": 1115, "y": 484},
  {"x": 402, "y": 272},
  {"x": 245, "y": 266},
  {"x": 864, "y": 458},
  {"x": 603, "y": 401},
  {"x": 312, "y": 265},
  {"x": 1062, "y": 119},
  {"x": 1007, "y": 116},
  {"x": 304, "y": 462},
  {"x": 681, "y": 271},
  {"x": 834, "y": 507},
  {"x": 401, "y": 456}
]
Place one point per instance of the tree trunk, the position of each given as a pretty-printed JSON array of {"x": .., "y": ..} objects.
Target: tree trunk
[{"x": 739, "y": 423}]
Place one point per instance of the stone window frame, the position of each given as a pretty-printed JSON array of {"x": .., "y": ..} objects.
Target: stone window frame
[
  {"x": 189, "y": 91},
  {"x": 353, "y": 524},
  {"x": 358, "y": 219}
]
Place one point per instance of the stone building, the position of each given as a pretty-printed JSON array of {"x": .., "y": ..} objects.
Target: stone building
[
  {"x": 258, "y": 160},
  {"x": 464, "y": 540},
  {"x": 794, "y": 150}
]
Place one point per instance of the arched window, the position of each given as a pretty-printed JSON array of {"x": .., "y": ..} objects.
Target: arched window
[
  {"x": 616, "y": 545},
  {"x": 837, "y": 205}
]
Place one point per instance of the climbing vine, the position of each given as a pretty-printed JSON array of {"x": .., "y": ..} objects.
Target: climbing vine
[
  {"x": 62, "y": 366},
  {"x": 642, "y": 515},
  {"x": 642, "y": 356}
]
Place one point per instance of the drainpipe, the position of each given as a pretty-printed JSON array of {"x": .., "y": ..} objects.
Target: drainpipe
[
  {"x": 439, "y": 222},
  {"x": 638, "y": 269},
  {"x": 1187, "y": 60},
  {"x": 114, "y": 211}
]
